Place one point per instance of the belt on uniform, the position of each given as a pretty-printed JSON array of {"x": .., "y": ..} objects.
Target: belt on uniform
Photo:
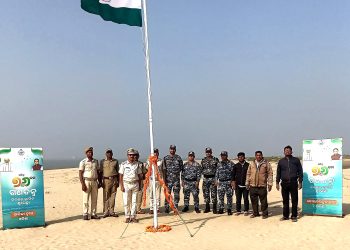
[
  {"x": 225, "y": 180},
  {"x": 209, "y": 175},
  {"x": 190, "y": 179},
  {"x": 131, "y": 181},
  {"x": 90, "y": 179},
  {"x": 110, "y": 177}
]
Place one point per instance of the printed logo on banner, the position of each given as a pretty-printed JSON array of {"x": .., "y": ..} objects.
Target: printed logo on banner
[
  {"x": 321, "y": 170},
  {"x": 20, "y": 152},
  {"x": 6, "y": 165},
  {"x": 22, "y": 182}
]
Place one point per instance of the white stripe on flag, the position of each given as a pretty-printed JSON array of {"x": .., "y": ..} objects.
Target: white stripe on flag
[{"x": 133, "y": 4}]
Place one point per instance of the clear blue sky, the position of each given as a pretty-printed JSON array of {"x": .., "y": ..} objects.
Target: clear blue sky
[{"x": 233, "y": 75}]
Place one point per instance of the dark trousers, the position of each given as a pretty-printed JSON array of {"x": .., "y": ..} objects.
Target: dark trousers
[
  {"x": 292, "y": 189},
  {"x": 242, "y": 191},
  {"x": 256, "y": 194}
]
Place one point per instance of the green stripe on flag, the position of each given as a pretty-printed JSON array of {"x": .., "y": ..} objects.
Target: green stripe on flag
[{"x": 123, "y": 15}]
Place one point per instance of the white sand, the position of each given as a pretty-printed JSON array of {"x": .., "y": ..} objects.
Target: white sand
[{"x": 67, "y": 230}]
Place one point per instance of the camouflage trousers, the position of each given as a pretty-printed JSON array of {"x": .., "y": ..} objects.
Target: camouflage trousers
[
  {"x": 209, "y": 190},
  {"x": 225, "y": 188},
  {"x": 190, "y": 187},
  {"x": 173, "y": 186}
]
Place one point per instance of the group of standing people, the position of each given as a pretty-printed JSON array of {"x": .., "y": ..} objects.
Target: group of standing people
[{"x": 220, "y": 178}]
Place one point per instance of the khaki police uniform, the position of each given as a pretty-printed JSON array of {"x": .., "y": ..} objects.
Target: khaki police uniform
[
  {"x": 130, "y": 172},
  {"x": 140, "y": 193},
  {"x": 90, "y": 174},
  {"x": 109, "y": 171}
]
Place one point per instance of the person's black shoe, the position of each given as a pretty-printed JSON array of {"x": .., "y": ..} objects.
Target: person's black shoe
[
  {"x": 284, "y": 218},
  {"x": 229, "y": 212},
  {"x": 185, "y": 209},
  {"x": 294, "y": 219},
  {"x": 207, "y": 208},
  {"x": 221, "y": 211},
  {"x": 265, "y": 216},
  {"x": 167, "y": 210},
  {"x": 85, "y": 217},
  {"x": 197, "y": 210},
  {"x": 215, "y": 208},
  {"x": 95, "y": 217}
]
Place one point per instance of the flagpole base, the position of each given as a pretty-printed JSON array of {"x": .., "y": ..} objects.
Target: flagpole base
[{"x": 160, "y": 229}]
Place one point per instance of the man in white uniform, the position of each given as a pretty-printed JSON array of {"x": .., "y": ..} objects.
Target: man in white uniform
[
  {"x": 130, "y": 176},
  {"x": 155, "y": 197}
]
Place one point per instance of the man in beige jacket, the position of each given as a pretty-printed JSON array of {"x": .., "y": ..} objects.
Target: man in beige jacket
[{"x": 259, "y": 180}]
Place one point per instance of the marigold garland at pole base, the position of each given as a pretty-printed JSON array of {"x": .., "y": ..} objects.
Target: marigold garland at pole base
[{"x": 161, "y": 228}]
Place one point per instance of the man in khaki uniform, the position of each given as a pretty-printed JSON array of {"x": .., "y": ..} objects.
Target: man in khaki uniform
[
  {"x": 140, "y": 193},
  {"x": 88, "y": 175},
  {"x": 130, "y": 175},
  {"x": 109, "y": 168}
]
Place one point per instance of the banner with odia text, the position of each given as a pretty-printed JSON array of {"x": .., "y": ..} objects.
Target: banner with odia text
[
  {"x": 323, "y": 177},
  {"x": 22, "y": 187}
]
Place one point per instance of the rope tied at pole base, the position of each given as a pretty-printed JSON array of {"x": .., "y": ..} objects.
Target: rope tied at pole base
[
  {"x": 161, "y": 229},
  {"x": 153, "y": 161}
]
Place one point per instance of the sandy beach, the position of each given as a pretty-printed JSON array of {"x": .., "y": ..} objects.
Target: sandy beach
[{"x": 66, "y": 230}]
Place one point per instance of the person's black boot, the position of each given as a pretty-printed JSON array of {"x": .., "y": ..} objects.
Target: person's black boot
[
  {"x": 207, "y": 208},
  {"x": 185, "y": 209},
  {"x": 221, "y": 211},
  {"x": 229, "y": 212},
  {"x": 167, "y": 210},
  {"x": 197, "y": 210},
  {"x": 215, "y": 211}
]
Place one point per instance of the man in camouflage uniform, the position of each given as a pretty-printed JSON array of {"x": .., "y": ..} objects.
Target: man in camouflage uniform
[
  {"x": 223, "y": 178},
  {"x": 208, "y": 169},
  {"x": 172, "y": 168},
  {"x": 190, "y": 177}
]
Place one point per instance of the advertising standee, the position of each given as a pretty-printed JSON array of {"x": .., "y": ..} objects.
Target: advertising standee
[
  {"x": 323, "y": 177},
  {"x": 22, "y": 187}
]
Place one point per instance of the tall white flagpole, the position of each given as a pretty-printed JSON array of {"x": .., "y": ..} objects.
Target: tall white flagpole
[{"x": 148, "y": 75}]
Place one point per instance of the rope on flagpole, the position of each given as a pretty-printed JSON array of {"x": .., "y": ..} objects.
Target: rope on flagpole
[
  {"x": 167, "y": 193},
  {"x": 149, "y": 94},
  {"x": 126, "y": 227}
]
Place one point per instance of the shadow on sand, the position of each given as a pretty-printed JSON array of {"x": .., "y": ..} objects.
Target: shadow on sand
[{"x": 72, "y": 218}]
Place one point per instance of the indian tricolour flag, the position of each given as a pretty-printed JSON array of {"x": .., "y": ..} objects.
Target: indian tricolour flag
[{"x": 118, "y": 11}]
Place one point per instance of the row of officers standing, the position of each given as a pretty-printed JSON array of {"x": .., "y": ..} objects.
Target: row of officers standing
[{"x": 220, "y": 178}]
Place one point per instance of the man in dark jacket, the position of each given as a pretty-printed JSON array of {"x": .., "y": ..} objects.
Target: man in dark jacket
[
  {"x": 239, "y": 178},
  {"x": 290, "y": 174}
]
